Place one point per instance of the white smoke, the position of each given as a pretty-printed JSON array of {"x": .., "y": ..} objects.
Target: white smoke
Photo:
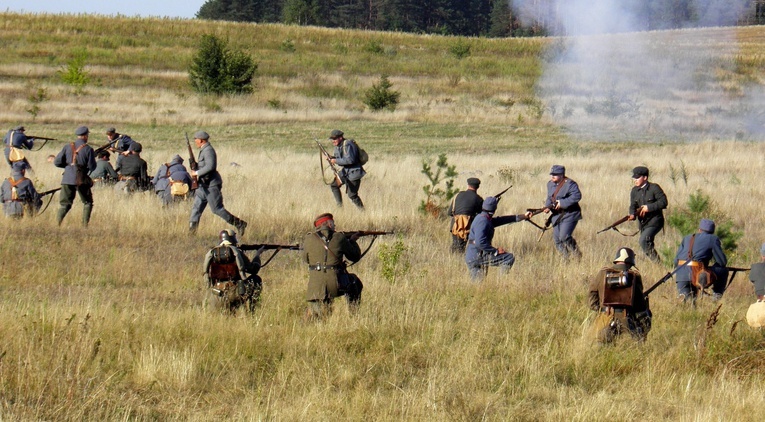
[{"x": 609, "y": 77}]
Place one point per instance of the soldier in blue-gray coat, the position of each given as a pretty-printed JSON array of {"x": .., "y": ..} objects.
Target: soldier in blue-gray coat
[
  {"x": 347, "y": 157},
  {"x": 172, "y": 172},
  {"x": 702, "y": 247},
  {"x": 480, "y": 253},
  {"x": 17, "y": 139},
  {"x": 18, "y": 193},
  {"x": 562, "y": 200},
  {"x": 78, "y": 160},
  {"x": 210, "y": 185}
]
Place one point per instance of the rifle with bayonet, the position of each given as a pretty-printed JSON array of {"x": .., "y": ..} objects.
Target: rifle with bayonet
[
  {"x": 663, "y": 279},
  {"x": 193, "y": 165},
  {"x": 324, "y": 155},
  {"x": 615, "y": 224},
  {"x": 260, "y": 247}
]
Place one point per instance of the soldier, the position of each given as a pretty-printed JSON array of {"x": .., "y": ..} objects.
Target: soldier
[
  {"x": 232, "y": 276},
  {"x": 562, "y": 200},
  {"x": 172, "y": 181},
  {"x": 122, "y": 146},
  {"x": 480, "y": 253},
  {"x": 77, "y": 160},
  {"x": 19, "y": 193},
  {"x": 347, "y": 156},
  {"x": 616, "y": 293},
  {"x": 210, "y": 186},
  {"x": 700, "y": 248},
  {"x": 133, "y": 170},
  {"x": 325, "y": 252},
  {"x": 465, "y": 206},
  {"x": 104, "y": 173},
  {"x": 17, "y": 139},
  {"x": 647, "y": 200}
]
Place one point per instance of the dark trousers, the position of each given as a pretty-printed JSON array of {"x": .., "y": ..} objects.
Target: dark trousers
[
  {"x": 563, "y": 237},
  {"x": 67, "y": 199},
  {"x": 458, "y": 244},
  {"x": 647, "y": 235},
  {"x": 351, "y": 189}
]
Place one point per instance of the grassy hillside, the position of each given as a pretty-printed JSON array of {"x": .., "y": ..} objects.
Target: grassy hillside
[{"x": 113, "y": 322}]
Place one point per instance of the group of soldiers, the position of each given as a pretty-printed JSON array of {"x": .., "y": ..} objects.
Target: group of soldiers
[{"x": 616, "y": 293}]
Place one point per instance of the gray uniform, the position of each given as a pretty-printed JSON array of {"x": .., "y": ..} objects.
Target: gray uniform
[
  {"x": 86, "y": 162},
  {"x": 26, "y": 196},
  {"x": 565, "y": 219},
  {"x": 175, "y": 171},
  {"x": 347, "y": 157},
  {"x": 16, "y": 139},
  {"x": 209, "y": 190}
]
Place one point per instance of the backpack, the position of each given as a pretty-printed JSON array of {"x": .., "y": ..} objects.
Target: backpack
[{"x": 363, "y": 156}]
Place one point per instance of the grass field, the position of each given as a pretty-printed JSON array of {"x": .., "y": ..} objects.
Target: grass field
[{"x": 112, "y": 322}]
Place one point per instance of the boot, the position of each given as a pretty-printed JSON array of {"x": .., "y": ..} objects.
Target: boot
[
  {"x": 193, "y": 228},
  {"x": 357, "y": 201},
  {"x": 61, "y": 214},
  {"x": 338, "y": 196},
  {"x": 240, "y": 225},
  {"x": 86, "y": 210}
]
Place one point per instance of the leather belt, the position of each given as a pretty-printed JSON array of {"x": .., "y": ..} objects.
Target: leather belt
[{"x": 319, "y": 267}]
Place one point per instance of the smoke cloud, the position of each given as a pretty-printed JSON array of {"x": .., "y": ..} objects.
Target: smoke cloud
[{"x": 610, "y": 76}]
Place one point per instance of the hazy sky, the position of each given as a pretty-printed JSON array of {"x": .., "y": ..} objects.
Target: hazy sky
[{"x": 170, "y": 8}]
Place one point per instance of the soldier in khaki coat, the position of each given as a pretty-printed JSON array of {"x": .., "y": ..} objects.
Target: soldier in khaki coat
[{"x": 325, "y": 251}]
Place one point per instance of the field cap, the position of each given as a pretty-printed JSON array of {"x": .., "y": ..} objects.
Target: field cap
[
  {"x": 136, "y": 147},
  {"x": 201, "y": 135},
  {"x": 707, "y": 225},
  {"x": 19, "y": 166},
  {"x": 82, "y": 130},
  {"x": 474, "y": 182},
  {"x": 762, "y": 250},
  {"x": 639, "y": 171},
  {"x": 177, "y": 159},
  {"x": 335, "y": 133},
  {"x": 557, "y": 170},
  {"x": 490, "y": 204},
  {"x": 19, "y": 129},
  {"x": 111, "y": 130}
]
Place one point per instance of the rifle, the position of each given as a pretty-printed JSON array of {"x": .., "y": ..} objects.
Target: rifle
[
  {"x": 499, "y": 195},
  {"x": 362, "y": 233},
  {"x": 193, "y": 165},
  {"x": 663, "y": 279},
  {"x": 269, "y": 246},
  {"x": 42, "y": 137},
  {"x": 735, "y": 271},
  {"x": 105, "y": 146},
  {"x": 327, "y": 157},
  {"x": 615, "y": 224},
  {"x": 548, "y": 222},
  {"x": 48, "y": 192}
]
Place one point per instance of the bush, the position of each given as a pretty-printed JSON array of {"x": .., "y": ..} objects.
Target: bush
[
  {"x": 460, "y": 49},
  {"x": 380, "y": 96},
  {"x": 74, "y": 73},
  {"x": 437, "y": 199},
  {"x": 699, "y": 206},
  {"x": 217, "y": 70}
]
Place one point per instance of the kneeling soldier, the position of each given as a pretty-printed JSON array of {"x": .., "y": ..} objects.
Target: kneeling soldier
[
  {"x": 19, "y": 194},
  {"x": 325, "y": 251},
  {"x": 617, "y": 293},
  {"x": 231, "y": 276}
]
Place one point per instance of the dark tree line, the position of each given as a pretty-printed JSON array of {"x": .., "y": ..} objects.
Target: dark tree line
[{"x": 493, "y": 18}]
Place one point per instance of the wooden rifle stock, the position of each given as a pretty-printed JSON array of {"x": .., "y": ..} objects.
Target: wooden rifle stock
[
  {"x": 328, "y": 157},
  {"x": 615, "y": 224},
  {"x": 105, "y": 146},
  {"x": 663, "y": 279},
  {"x": 268, "y": 246},
  {"x": 193, "y": 165},
  {"x": 42, "y": 138}
]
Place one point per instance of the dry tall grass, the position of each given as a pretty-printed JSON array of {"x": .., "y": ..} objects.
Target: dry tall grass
[{"x": 110, "y": 322}]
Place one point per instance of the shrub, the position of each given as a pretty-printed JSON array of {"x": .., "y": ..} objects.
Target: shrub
[
  {"x": 393, "y": 266},
  {"x": 381, "y": 96},
  {"x": 217, "y": 70},
  {"x": 460, "y": 49},
  {"x": 437, "y": 199},
  {"x": 699, "y": 206},
  {"x": 35, "y": 100},
  {"x": 74, "y": 73}
]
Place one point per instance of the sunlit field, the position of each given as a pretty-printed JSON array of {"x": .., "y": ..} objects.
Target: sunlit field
[{"x": 113, "y": 321}]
